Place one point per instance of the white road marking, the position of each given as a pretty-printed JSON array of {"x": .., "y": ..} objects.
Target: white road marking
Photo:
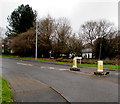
[
  {"x": 117, "y": 74},
  {"x": 57, "y": 69},
  {"x": 24, "y": 64},
  {"x": 42, "y": 67},
  {"x": 62, "y": 69},
  {"x": 51, "y": 67}
]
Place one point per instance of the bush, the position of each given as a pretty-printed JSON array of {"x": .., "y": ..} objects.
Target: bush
[
  {"x": 111, "y": 62},
  {"x": 64, "y": 60},
  {"x": 91, "y": 61}
]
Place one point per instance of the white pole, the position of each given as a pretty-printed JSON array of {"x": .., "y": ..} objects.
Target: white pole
[{"x": 36, "y": 40}]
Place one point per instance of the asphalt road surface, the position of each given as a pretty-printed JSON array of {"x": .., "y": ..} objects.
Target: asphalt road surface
[{"x": 45, "y": 82}]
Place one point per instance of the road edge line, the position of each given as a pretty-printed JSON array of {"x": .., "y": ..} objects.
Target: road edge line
[{"x": 60, "y": 94}]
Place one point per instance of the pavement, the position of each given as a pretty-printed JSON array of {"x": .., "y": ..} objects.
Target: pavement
[
  {"x": 48, "y": 82},
  {"x": 26, "y": 89}
]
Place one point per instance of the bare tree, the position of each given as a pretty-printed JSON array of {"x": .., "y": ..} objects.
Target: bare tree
[
  {"x": 88, "y": 32},
  {"x": 62, "y": 34},
  {"x": 75, "y": 45},
  {"x": 23, "y": 44},
  {"x": 105, "y": 29},
  {"x": 94, "y": 29},
  {"x": 46, "y": 27}
]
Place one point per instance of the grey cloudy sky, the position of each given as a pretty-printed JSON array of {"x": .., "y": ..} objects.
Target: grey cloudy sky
[{"x": 77, "y": 11}]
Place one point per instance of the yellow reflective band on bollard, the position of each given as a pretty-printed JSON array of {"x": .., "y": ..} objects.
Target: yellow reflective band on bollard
[
  {"x": 100, "y": 66},
  {"x": 74, "y": 63}
]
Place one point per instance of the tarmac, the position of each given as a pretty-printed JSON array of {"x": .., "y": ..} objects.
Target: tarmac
[
  {"x": 26, "y": 89},
  {"x": 31, "y": 81}
]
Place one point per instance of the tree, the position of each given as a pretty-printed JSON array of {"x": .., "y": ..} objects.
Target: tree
[
  {"x": 115, "y": 46},
  {"x": 91, "y": 30},
  {"x": 62, "y": 34},
  {"x": 46, "y": 27},
  {"x": 101, "y": 48},
  {"x": 88, "y": 31},
  {"x": 21, "y": 19},
  {"x": 75, "y": 45},
  {"x": 24, "y": 44}
]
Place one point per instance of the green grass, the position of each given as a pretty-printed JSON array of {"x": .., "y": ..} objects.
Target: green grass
[
  {"x": 104, "y": 66},
  {"x": 5, "y": 92},
  {"x": 88, "y": 65},
  {"x": 95, "y": 65}
]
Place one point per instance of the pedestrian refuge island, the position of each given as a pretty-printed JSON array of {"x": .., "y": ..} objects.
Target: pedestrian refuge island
[{"x": 74, "y": 67}]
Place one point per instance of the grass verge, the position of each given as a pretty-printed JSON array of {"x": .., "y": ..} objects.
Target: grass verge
[
  {"x": 49, "y": 60},
  {"x": 104, "y": 66},
  {"x": 5, "y": 92}
]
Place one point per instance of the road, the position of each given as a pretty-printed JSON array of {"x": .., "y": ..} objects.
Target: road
[{"x": 71, "y": 86}]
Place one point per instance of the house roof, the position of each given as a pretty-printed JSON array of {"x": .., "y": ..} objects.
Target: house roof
[{"x": 87, "y": 50}]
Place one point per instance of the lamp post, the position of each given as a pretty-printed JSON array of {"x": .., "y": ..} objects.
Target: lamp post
[
  {"x": 101, "y": 38},
  {"x": 36, "y": 40}
]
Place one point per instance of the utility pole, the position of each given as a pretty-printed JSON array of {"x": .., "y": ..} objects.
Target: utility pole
[{"x": 36, "y": 40}]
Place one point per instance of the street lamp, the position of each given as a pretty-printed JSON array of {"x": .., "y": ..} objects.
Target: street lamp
[
  {"x": 101, "y": 38},
  {"x": 36, "y": 40}
]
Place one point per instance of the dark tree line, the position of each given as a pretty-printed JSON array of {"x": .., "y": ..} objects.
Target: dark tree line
[{"x": 55, "y": 36}]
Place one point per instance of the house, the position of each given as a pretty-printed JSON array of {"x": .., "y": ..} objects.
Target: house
[{"x": 87, "y": 53}]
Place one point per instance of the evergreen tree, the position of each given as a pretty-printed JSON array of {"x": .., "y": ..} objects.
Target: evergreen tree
[{"x": 21, "y": 19}]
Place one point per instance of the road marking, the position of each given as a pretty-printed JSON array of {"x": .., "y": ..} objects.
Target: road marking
[
  {"x": 42, "y": 67},
  {"x": 56, "y": 69},
  {"x": 51, "y": 67},
  {"x": 117, "y": 74},
  {"x": 62, "y": 69},
  {"x": 24, "y": 64}
]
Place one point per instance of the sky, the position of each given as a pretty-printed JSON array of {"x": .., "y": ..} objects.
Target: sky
[{"x": 76, "y": 11}]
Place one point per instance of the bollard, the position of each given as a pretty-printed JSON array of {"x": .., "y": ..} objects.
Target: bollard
[
  {"x": 100, "y": 69},
  {"x": 100, "y": 66},
  {"x": 74, "y": 67},
  {"x": 74, "y": 63}
]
